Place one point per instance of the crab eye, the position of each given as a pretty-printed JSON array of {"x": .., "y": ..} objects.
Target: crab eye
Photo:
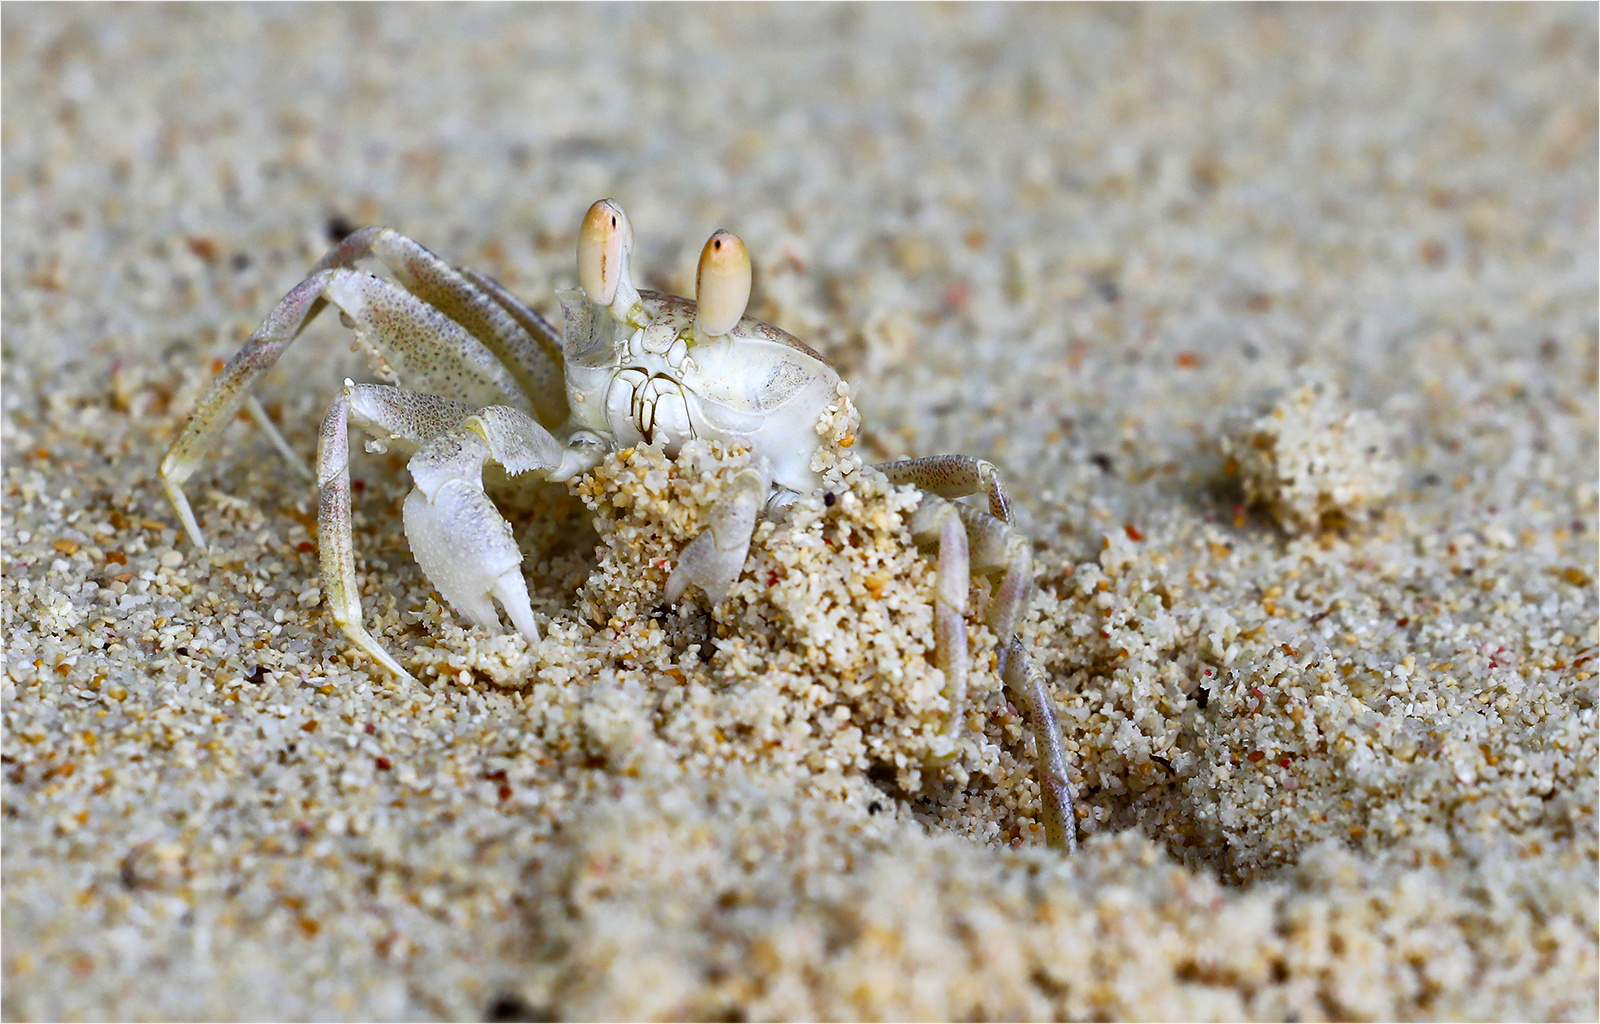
[
  {"x": 722, "y": 284},
  {"x": 604, "y": 242}
]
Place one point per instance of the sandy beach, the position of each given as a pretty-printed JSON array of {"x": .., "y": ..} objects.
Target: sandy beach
[{"x": 1282, "y": 325}]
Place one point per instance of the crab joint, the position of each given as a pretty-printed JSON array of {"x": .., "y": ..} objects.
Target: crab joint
[
  {"x": 605, "y": 246},
  {"x": 721, "y": 285}
]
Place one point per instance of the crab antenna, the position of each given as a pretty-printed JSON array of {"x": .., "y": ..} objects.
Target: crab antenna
[
  {"x": 605, "y": 245},
  {"x": 721, "y": 285}
]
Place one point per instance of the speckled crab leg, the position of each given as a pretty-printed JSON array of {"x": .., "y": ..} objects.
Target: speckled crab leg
[
  {"x": 971, "y": 540},
  {"x": 995, "y": 545},
  {"x": 952, "y": 476},
  {"x": 335, "y": 543},
  {"x": 950, "y": 611},
  {"x": 939, "y": 522},
  {"x": 1026, "y": 689},
  {"x": 524, "y": 350}
]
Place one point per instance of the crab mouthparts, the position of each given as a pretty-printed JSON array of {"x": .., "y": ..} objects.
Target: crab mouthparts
[{"x": 651, "y": 407}]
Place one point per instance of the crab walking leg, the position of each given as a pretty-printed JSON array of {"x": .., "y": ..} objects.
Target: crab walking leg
[
  {"x": 264, "y": 423},
  {"x": 407, "y": 419},
  {"x": 449, "y": 334},
  {"x": 230, "y": 390},
  {"x": 950, "y": 617},
  {"x": 937, "y": 521},
  {"x": 998, "y": 547},
  {"x": 1026, "y": 689},
  {"x": 713, "y": 560},
  {"x": 970, "y": 540},
  {"x": 335, "y": 545},
  {"x": 518, "y": 337},
  {"x": 994, "y": 546},
  {"x": 952, "y": 476},
  {"x": 238, "y": 378},
  {"x": 541, "y": 373},
  {"x": 986, "y": 544}
]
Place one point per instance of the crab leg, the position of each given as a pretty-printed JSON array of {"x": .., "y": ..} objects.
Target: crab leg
[
  {"x": 335, "y": 545},
  {"x": 939, "y": 522},
  {"x": 406, "y": 419},
  {"x": 519, "y": 338},
  {"x": 1026, "y": 689},
  {"x": 263, "y": 422},
  {"x": 952, "y": 476},
  {"x": 955, "y": 476},
  {"x": 987, "y": 546},
  {"x": 232, "y": 387},
  {"x": 950, "y": 614},
  {"x": 713, "y": 560},
  {"x": 971, "y": 540},
  {"x": 449, "y": 334}
]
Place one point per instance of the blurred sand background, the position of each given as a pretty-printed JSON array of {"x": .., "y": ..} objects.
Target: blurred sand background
[{"x": 1335, "y": 756}]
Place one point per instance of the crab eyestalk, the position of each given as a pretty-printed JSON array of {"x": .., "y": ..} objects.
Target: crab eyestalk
[
  {"x": 721, "y": 285},
  {"x": 605, "y": 248}
]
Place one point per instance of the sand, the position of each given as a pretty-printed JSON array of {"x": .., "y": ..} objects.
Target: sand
[{"x": 1281, "y": 324}]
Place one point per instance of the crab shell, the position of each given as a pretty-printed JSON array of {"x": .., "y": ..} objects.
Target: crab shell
[{"x": 654, "y": 381}]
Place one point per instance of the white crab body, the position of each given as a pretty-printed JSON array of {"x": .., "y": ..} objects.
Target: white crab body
[{"x": 660, "y": 383}]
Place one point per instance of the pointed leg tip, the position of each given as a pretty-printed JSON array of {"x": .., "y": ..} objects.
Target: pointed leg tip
[
  {"x": 383, "y": 658},
  {"x": 180, "y": 505},
  {"x": 367, "y": 644}
]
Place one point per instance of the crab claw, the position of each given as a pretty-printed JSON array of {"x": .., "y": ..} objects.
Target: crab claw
[
  {"x": 722, "y": 284},
  {"x": 462, "y": 543},
  {"x": 605, "y": 246},
  {"x": 713, "y": 560}
]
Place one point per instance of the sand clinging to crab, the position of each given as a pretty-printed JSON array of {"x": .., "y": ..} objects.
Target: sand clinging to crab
[{"x": 477, "y": 381}]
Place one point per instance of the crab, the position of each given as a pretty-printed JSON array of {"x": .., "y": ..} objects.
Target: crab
[{"x": 479, "y": 379}]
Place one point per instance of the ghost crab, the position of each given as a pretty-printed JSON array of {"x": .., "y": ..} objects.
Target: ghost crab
[{"x": 479, "y": 379}]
